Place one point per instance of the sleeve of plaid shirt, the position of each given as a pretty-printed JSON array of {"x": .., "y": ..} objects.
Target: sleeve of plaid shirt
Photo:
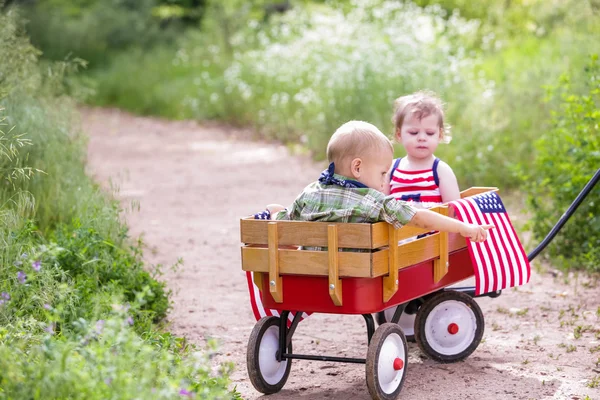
[
  {"x": 396, "y": 212},
  {"x": 290, "y": 213}
]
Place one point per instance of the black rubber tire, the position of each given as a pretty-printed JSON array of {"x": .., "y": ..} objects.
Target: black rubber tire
[
  {"x": 411, "y": 308},
  {"x": 424, "y": 313},
  {"x": 373, "y": 354},
  {"x": 252, "y": 357}
]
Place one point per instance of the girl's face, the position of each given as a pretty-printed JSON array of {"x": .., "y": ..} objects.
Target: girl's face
[{"x": 420, "y": 138}]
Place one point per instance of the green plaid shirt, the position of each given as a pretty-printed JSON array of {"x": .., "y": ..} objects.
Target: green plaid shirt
[{"x": 333, "y": 203}]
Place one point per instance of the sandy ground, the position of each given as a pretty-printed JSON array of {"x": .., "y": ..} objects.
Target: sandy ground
[{"x": 193, "y": 182}]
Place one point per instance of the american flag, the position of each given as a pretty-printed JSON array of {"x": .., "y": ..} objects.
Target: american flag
[
  {"x": 257, "y": 305},
  {"x": 499, "y": 262}
]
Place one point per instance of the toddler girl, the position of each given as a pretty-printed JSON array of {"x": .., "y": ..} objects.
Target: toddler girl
[{"x": 419, "y": 178}]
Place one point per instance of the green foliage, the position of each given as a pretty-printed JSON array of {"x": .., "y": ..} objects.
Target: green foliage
[
  {"x": 262, "y": 75},
  {"x": 89, "y": 31},
  {"x": 92, "y": 29},
  {"x": 103, "y": 359},
  {"x": 77, "y": 305},
  {"x": 100, "y": 266},
  {"x": 362, "y": 55},
  {"x": 567, "y": 155}
]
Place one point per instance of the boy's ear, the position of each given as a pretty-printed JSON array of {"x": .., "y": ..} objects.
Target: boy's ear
[
  {"x": 355, "y": 167},
  {"x": 397, "y": 134}
]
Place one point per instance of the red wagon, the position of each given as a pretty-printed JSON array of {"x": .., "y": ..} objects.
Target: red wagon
[{"x": 364, "y": 269}]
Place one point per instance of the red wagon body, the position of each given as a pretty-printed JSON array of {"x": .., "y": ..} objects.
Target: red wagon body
[
  {"x": 365, "y": 295},
  {"x": 360, "y": 269}
]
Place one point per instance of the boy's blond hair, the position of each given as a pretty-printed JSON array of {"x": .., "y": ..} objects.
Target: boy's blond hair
[
  {"x": 421, "y": 104},
  {"x": 354, "y": 139}
]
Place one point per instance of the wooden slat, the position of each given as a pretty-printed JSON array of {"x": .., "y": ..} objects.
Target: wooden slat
[
  {"x": 440, "y": 265},
  {"x": 356, "y": 265},
  {"x": 390, "y": 282},
  {"x": 275, "y": 282},
  {"x": 427, "y": 248},
  {"x": 304, "y": 262},
  {"x": 409, "y": 231},
  {"x": 379, "y": 262},
  {"x": 335, "y": 283},
  {"x": 350, "y": 264},
  {"x": 257, "y": 277},
  {"x": 379, "y": 235},
  {"x": 302, "y": 233},
  {"x": 472, "y": 191}
]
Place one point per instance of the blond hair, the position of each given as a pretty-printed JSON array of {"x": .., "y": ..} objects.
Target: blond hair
[
  {"x": 355, "y": 138},
  {"x": 421, "y": 104}
]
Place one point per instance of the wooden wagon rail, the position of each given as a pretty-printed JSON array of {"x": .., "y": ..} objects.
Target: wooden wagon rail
[{"x": 359, "y": 250}]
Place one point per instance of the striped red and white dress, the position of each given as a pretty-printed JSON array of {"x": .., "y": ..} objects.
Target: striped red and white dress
[{"x": 420, "y": 188}]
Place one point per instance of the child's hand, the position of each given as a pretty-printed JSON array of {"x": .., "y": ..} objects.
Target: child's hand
[
  {"x": 477, "y": 233},
  {"x": 275, "y": 208}
]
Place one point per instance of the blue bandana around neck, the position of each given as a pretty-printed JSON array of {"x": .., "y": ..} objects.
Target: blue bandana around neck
[{"x": 327, "y": 178}]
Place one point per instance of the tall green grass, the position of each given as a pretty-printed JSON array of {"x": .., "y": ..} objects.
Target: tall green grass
[
  {"x": 300, "y": 76},
  {"x": 78, "y": 308},
  {"x": 568, "y": 155}
]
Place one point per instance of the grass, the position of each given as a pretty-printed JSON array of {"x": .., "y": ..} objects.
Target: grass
[
  {"x": 264, "y": 78},
  {"x": 79, "y": 311}
]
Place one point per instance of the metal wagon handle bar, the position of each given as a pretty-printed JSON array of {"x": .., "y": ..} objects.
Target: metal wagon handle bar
[
  {"x": 565, "y": 217},
  {"x": 553, "y": 232}
]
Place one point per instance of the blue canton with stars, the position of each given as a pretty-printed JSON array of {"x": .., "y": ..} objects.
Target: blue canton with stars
[{"x": 489, "y": 203}]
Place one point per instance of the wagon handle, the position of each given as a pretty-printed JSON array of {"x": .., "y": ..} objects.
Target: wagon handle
[
  {"x": 565, "y": 217},
  {"x": 553, "y": 232}
]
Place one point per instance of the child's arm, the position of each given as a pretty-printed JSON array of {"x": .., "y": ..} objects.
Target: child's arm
[
  {"x": 448, "y": 185},
  {"x": 274, "y": 209},
  {"x": 399, "y": 213},
  {"x": 431, "y": 220}
]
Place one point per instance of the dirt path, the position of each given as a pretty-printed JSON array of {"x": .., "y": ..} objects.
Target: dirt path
[{"x": 193, "y": 182}]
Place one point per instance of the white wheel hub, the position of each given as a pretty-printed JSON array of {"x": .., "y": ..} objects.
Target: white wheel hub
[
  {"x": 271, "y": 370},
  {"x": 391, "y": 363},
  {"x": 450, "y": 327},
  {"x": 407, "y": 321}
]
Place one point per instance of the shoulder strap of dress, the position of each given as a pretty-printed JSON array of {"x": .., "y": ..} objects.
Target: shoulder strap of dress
[
  {"x": 396, "y": 163},
  {"x": 434, "y": 169}
]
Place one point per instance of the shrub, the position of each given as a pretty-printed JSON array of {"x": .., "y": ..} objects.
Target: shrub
[
  {"x": 103, "y": 359},
  {"x": 298, "y": 76},
  {"x": 77, "y": 305},
  {"x": 567, "y": 155},
  {"x": 91, "y": 29}
]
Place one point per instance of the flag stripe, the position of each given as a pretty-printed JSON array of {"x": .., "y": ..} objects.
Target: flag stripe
[
  {"x": 511, "y": 252},
  {"x": 508, "y": 274},
  {"x": 520, "y": 254},
  {"x": 255, "y": 304},
  {"x": 489, "y": 248},
  {"x": 499, "y": 262},
  {"x": 258, "y": 309},
  {"x": 489, "y": 276},
  {"x": 480, "y": 271}
]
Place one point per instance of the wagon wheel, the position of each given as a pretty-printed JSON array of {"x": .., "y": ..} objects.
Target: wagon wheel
[
  {"x": 449, "y": 326},
  {"x": 266, "y": 373},
  {"x": 407, "y": 318},
  {"x": 386, "y": 362}
]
